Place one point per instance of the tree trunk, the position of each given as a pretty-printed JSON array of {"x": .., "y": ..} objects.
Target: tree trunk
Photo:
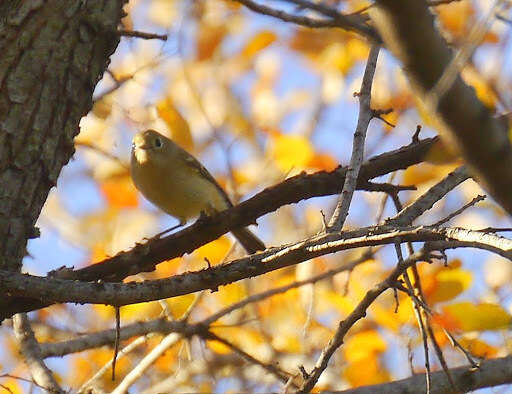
[{"x": 53, "y": 53}]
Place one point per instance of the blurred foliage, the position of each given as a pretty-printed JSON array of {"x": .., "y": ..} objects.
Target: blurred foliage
[{"x": 257, "y": 100}]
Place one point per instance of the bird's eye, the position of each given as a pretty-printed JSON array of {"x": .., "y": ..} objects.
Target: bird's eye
[{"x": 158, "y": 143}]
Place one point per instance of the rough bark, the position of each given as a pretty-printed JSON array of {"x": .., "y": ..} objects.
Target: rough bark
[{"x": 53, "y": 54}]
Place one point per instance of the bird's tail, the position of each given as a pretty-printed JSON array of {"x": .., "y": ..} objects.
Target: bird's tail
[{"x": 249, "y": 241}]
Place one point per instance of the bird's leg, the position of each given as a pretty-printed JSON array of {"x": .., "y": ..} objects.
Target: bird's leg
[{"x": 167, "y": 231}]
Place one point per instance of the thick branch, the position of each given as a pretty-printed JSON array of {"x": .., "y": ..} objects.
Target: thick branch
[
  {"x": 117, "y": 294},
  {"x": 407, "y": 28}
]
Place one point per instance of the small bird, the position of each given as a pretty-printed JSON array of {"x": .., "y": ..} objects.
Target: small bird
[{"x": 174, "y": 181}]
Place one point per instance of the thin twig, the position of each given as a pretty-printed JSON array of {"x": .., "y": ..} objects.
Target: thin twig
[
  {"x": 424, "y": 312},
  {"x": 141, "y": 34},
  {"x": 123, "y": 352},
  {"x": 350, "y": 23},
  {"x": 279, "y": 290},
  {"x": 365, "y": 116},
  {"x": 358, "y": 313},
  {"x": 283, "y": 376},
  {"x": 474, "y": 201}
]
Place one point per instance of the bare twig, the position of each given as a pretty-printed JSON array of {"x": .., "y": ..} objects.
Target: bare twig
[
  {"x": 141, "y": 34},
  {"x": 365, "y": 115},
  {"x": 29, "y": 348},
  {"x": 423, "y": 311},
  {"x": 358, "y": 313},
  {"x": 123, "y": 352},
  {"x": 349, "y": 22},
  {"x": 168, "y": 341},
  {"x": 474, "y": 201}
]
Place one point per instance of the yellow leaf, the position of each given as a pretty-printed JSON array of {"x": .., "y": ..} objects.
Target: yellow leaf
[
  {"x": 441, "y": 153},
  {"x": 448, "y": 284},
  {"x": 478, "y": 348},
  {"x": 342, "y": 303},
  {"x": 129, "y": 312},
  {"x": 477, "y": 317},
  {"x": 258, "y": 42},
  {"x": 284, "y": 342},
  {"x": 386, "y": 317},
  {"x": 167, "y": 361},
  {"x": 291, "y": 151},
  {"x": 357, "y": 48},
  {"x": 244, "y": 337},
  {"x": 135, "y": 311},
  {"x": 218, "y": 347},
  {"x": 11, "y": 385},
  {"x": 179, "y": 305},
  {"x": 231, "y": 293},
  {"x": 483, "y": 90},
  {"x": 338, "y": 56},
  {"x": 178, "y": 125},
  {"x": 362, "y": 345},
  {"x": 214, "y": 251},
  {"x": 425, "y": 173}
]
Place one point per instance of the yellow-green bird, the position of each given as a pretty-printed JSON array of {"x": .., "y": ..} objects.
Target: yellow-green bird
[{"x": 174, "y": 181}]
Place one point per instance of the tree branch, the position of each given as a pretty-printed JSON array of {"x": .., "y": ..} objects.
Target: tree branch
[
  {"x": 365, "y": 116},
  {"x": 355, "y": 23},
  {"x": 29, "y": 348},
  {"x": 490, "y": 373},
  {"x": 118, "y": 294},
  {"x": 407, "y": 28}
]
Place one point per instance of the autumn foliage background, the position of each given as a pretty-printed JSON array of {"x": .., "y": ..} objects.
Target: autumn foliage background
[{"x": 258, "y": 100}]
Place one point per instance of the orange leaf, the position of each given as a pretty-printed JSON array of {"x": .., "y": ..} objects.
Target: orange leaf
[
  {"x": 208, "y": 40},
  {"x": 323, "y": 161},
  {"x": 365, "y": 372},
  {"x": 359, "y": 346},
  {"x": 456, "y": 17},
  {"x": 258, "y": 42},
  {"x": 478, "y": 347},
  {"x": 119, "y": 192}
]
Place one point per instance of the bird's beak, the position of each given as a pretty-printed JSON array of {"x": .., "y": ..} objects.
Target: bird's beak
[{"x": 140, "y": 143}]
